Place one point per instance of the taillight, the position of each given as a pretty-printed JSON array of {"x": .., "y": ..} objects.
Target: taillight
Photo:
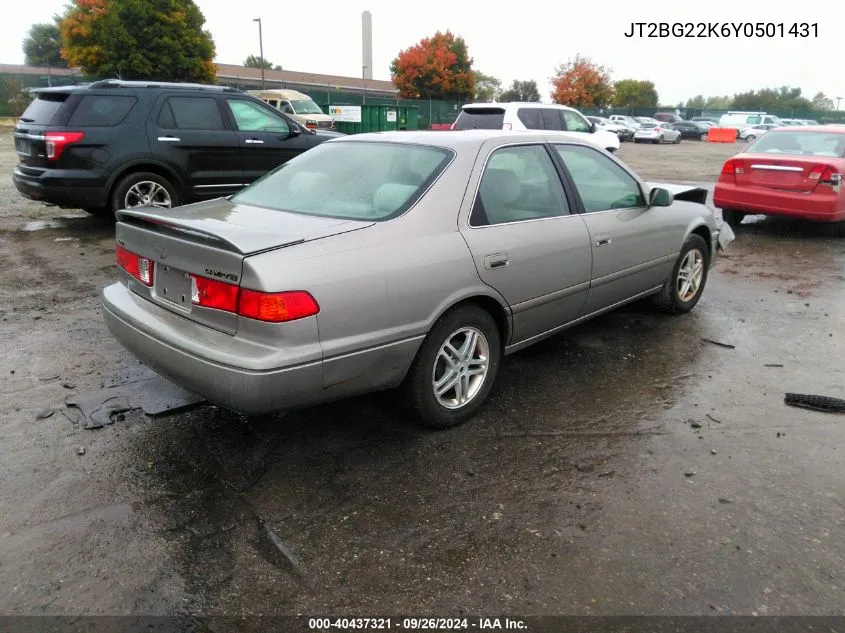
[
  {"x": 271, "y": 307},
  {"x": 139, "y": 267},
  {"x": 733, "y": 166},
  {"x": 276, "y": 307},
  {"x": 58, "y": 141},
  {"x": 210, "y": 293}
]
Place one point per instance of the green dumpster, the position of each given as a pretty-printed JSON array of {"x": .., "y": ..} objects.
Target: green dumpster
[{"x": 374, "y": 118}]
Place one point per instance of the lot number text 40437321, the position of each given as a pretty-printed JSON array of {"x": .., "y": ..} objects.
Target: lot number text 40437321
[{"x": 723, "y": 29}]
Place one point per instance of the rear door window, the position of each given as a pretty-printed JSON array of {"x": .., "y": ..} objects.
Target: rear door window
[
  {"x": 101, "y": 110},
  {"x": 551, "y": 119},
  {"x": 191, "y": 113},
  {"x": 44, "y": 107},
  {"x": 480, "y": 119},
  {"x": 532, "y": 118}
]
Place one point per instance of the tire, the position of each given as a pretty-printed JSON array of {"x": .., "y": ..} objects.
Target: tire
[
  {"x": 733, "y": 218},
  {"x": 750, "y": 138},
  {"x": 127, "y": 189},
  {"x": 695, "y": 256},
  {"x": 429, "y": 367},
  {"x": 97, "y": 212},
  {"x": 611, "y": 149},
  {"x": 678, "y": 141},
  {"x": 703, "y": 137},
  {"x": 659, "y": 141}
]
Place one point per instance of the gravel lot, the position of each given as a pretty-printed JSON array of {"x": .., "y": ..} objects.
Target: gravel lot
[{"x": 624, "y": 467}]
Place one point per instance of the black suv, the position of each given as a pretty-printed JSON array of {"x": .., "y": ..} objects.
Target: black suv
[{"x": 114, "y": 144}]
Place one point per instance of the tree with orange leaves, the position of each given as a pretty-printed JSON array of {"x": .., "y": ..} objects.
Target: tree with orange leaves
[
  {"x": 160, "y": 40},
  {"x": 582, "y": 84},
  {"x": 438, "y": 67}
]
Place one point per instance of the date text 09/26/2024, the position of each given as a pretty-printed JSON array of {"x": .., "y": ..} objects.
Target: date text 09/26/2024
[{"x": 799, "y": 30}]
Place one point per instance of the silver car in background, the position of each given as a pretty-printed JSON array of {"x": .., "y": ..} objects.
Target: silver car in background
[
  {"x": 400, "y": 259},
  {"x": 659, "y": 132}
]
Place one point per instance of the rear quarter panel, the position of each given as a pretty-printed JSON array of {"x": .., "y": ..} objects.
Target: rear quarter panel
[{"x": 379, "y": 289}]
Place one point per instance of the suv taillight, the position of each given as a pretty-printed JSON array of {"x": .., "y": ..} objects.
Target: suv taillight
[{"x": 58, "y": 141}]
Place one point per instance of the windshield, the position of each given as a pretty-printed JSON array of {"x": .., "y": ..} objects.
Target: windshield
[
  {"x": 306, "y": 107},
  {"x": 647, "y": 126},
  {"x": 787, "y": 141},
  {"x": 328, "y": 180}
]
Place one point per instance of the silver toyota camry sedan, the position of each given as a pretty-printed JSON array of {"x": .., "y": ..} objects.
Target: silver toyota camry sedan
[{"x": 400, "y": 259}]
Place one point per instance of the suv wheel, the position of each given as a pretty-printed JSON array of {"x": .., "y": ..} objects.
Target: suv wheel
[
  {"x": 750, "y": 138},
  {"x": 142, "y": 189}
]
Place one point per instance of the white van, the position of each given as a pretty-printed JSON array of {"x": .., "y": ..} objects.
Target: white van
[
  {"x": 742, "y": 120},
  {"x": 533, "y": 116},
  {"x": 296, "y": 105}
]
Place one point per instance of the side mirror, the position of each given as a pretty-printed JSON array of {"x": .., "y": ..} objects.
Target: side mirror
[
  {"x": 660, "y": 197},
  {"x": 593, "y": 127}
]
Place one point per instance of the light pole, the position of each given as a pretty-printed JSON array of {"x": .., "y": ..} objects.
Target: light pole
[
  {"x": 260, "y": 50},
  {"x": 838, "y": 99}
]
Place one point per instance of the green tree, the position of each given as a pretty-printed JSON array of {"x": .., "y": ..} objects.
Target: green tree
[
  {"x": 254, "y": 61},
  {"x": 487, "y": 87},
  {"x": 822, "y": 102},
  {"x": 696, "y": 103},
  {"x": 719, "y": 103},
  {"x": 161, "y": 40},
  {"x": 634, "y": 93},
  {"x": 521, "y": 91},
  {"x": 784, "y": 98},
  {"x": 14, "y": 97},
  {"x": 43, "y": 45}
]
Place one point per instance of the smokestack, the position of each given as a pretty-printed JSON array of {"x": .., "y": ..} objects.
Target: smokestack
[{"x": 367, "y": 45}]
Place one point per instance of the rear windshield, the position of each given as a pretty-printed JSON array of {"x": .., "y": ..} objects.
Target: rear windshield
[
  {"x": 101, "y": 110},
  {"x": 328, "y": 181},
  {"x": 44, "y": 107},
  {"x": 647, "y": 125},
  {"x": 481, "y": 119},
  {"x": 803, "y": 143}
]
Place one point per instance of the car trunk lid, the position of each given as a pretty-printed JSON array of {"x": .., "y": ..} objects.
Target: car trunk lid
[
  {"x": 204, "y": 246},
  {"x": 781, "y": 171}
]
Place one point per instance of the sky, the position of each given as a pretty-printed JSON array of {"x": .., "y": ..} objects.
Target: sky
[{"x": 511, "y": 40}]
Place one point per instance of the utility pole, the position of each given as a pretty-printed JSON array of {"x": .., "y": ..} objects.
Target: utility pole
[
  {"x": 260, "y": 50},
  {"x": 838, "y": 99}
]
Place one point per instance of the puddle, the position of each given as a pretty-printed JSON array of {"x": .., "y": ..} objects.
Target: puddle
[
  {"x": 40, "y": 225},
  {"x": 55, "y": 223},
  {"x": 66, "y": 239}
]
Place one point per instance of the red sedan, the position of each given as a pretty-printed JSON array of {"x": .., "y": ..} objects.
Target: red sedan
[{"x": 794, "y": 171}]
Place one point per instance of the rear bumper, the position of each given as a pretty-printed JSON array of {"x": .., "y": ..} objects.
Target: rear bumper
[
  {"x": 237, "y": 388},
  {"x": 62, "y": 188},
  {"x": 817, "y": 207}
]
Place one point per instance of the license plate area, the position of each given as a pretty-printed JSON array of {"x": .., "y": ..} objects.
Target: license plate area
[
  {"x": 23, "y": 147},
  {"x": 173, "y": 286}
]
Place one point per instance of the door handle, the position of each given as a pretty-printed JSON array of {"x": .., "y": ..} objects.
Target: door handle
[
  {"x": 169, "y": 139},
  {"x": 603, "y": 239},
  {"x": 499, "y": 260},
  {"x": 254, "y": 141}
]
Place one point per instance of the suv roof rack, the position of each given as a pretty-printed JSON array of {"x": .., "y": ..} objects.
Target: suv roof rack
[{"x": 121, "y": 83}]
